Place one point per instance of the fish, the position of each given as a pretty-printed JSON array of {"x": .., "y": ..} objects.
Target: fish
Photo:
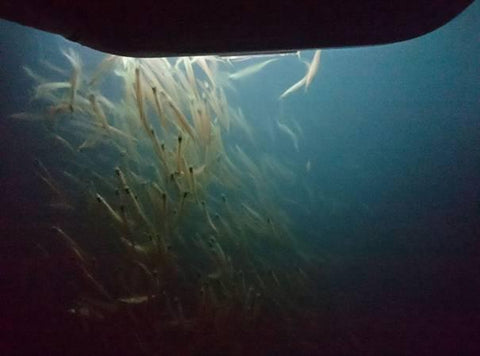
[
  {"x": 252, "y": 212},
  {"x": 248, "y": 163},
  {"x": 43, "y": 90},
  {"x": 275, "y": 278},
  {"x": 37, "y": 78},
  {"x": 137, "y": 251},
  {"x": 74, "y": 60},
  {"x": 250, "y": 70},
  {"x": 107, "y": 64},
  {"x": 223, "y": 109},
  {"x": 285, "y": 129},
  {"x": 135, "y": 299},
  {"x": 293, "y": 88},
  {"x": 112, "y": 212},
  {"x": 43, "y": 173},
  {"x": 307, "y": 79},
  {"x": 190, "y": 75},
  {"x": 143, "y": 118},
  {"x": 312, "y": 69},
  {"x": 199, "y": 170},
  {"x": 26, "y": 116},
  {"x": 98, "y": 112},
  {"x": 80, "y": 258},
  {"x": 139, "y": 99},
  {"x": 159, "y": 108},
  {"x": 90, "y": 142},
  {"x": 125, "y": 189},
  {"x": 240, "y": 121},
  {"x": 54, "y": 68},
  {"x": 308, "y": 166},
  {"x": 219, "y": 253},
  {"x": 207, "y": 216},
  {"x": 202, "y": 62},
  {"x": 181, "y": 206},
  {"x": 244, "y": 57},
  {"x": 60, "y": 141},
  {"x": 192, "y": 182},
  {"x": 181, "y": 119},
  {"x": 71, "y": 245}
]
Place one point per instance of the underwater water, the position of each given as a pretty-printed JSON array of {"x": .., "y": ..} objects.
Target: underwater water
[{"x": 320, "y": 202}]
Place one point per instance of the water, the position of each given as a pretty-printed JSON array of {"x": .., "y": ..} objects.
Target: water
[{"x": 355, "y": 233}]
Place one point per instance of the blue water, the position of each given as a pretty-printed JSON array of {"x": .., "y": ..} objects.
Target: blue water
[{"x": 391, "y": 204}]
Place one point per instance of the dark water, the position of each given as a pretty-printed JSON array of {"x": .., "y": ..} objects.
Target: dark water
[{"x": 389, "y": 208}]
